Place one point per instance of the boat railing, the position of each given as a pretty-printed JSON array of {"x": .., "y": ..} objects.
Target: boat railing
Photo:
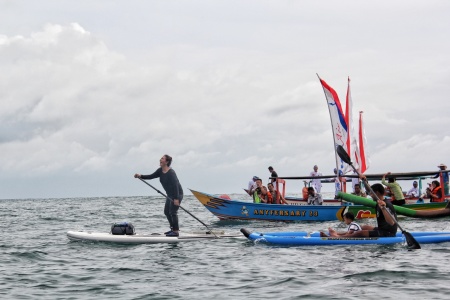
[{"x": 281, "y": 181}]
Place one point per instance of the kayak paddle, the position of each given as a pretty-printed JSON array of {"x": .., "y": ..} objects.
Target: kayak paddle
[{"x": 410, "y": 240}]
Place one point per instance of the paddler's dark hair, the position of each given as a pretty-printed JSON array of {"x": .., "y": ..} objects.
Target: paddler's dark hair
[
  {"x": 168, "y": 159},
  {"x": 349, "y": 215},
  {"x": 378, "y": 187}
]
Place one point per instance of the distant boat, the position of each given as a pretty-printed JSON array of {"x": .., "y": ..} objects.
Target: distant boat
[
  {"x": 332, "y": 209},
  {"x": 228, "y": 209},
  {"x": 441, "y": 209}
]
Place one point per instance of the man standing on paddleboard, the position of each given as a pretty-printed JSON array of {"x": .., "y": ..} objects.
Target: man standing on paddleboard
[{"x": 174, "y": 191}]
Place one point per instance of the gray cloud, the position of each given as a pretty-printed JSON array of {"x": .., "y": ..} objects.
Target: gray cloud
[{"x": 225, "y": 89}]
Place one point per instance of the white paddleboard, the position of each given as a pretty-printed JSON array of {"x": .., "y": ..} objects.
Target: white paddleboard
[{"x": 145, "y": 238}]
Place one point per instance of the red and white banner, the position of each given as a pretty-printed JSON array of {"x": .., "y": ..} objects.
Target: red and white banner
[
  {"x": 338, "y": 123},
  {"x": 344, "y": 132},
  {"x": 364, "y": 157}
]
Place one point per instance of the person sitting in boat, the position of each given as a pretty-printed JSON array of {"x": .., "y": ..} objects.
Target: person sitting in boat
[
  {"x": 257, "y": 193},
  {"x": 358, "y": 191},
  {"x": 396, "y": 189},
  {"x": 252, "y": 185},
  {"x": 355, "y": 181},
  {"x": 316, "y": 183},
  {"x": 313, "y": 197},
  {"x": 413, "y": 192},
  {"x": 386, "y": 215},
  {"x": 266, "y": 196},
  {"x": 277, "y": 197},
  {"x": 434, "y": 192},
  {"x": 349, "y": 219}
]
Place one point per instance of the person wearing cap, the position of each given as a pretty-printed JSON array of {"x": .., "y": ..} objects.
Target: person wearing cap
[
  {"x": 316, "y": 181},
  {"x": 413, "y": 192},
  {"x": 259, "y": 193},
  {"x": 395, "y": 188},
  {"x": 252, "y": 185},
  {"x": 443, "y": 167}
]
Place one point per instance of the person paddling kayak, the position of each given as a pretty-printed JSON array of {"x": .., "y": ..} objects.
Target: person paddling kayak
[
  {"x": 386, "y": 224},
  {"x": 174, "y": 191}
]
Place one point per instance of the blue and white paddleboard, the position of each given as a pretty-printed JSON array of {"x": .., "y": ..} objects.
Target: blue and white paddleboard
[{"x": 304, "y": 239}]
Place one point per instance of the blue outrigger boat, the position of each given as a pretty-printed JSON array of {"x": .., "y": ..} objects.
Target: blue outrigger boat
[{"x": 226, "y": 209}]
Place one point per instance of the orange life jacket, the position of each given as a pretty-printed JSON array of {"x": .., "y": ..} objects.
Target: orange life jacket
[
  {"x": 269, "y": 197},
  {"x": 434, "y": 192},
  {"x": 305, "y": 193}
]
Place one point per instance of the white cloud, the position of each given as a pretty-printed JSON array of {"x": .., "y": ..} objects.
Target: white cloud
[{"x": 225, "y": 91}]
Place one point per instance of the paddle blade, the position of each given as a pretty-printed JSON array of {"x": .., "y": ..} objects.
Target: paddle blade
[
  {"x": 246, "y": 232},
  {"x": 411, "y": 241},
  {"x": 343, "y": 155}
]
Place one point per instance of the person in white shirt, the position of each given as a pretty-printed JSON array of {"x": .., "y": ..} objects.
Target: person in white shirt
[
  {"x": 414, "y": 191},
  {"x": 316, "y": 182},
  {"x": 252, "y": 185},
  {"x": 349, "y": 219}
]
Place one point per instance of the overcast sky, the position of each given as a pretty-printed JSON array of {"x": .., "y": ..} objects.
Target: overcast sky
[{"x": 95, "y": 91}]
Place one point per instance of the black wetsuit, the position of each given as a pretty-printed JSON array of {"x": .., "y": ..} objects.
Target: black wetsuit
[
  {"x": 273, "y": 174},
  {"x": 173, "y": 189},
  {"x": 384, "y": 229}
]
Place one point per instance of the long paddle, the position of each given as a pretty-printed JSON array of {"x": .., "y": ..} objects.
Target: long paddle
[
  {"x": 410, "y": 240},
  {"x": 179, "y": 205}
]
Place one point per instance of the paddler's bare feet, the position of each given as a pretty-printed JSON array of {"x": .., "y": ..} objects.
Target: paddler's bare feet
[{"x": 332, "y": 232}]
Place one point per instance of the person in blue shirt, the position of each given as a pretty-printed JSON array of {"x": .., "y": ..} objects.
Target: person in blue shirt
[
  {"x": 443, "y": 167},
  {"x": 337, "y": 182}
]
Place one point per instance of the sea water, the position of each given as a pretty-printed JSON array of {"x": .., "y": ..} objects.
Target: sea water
[{"x": 38, "y": 261}]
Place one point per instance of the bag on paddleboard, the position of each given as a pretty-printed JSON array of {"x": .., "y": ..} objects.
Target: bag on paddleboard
[{"x": 122, "y": 228}]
